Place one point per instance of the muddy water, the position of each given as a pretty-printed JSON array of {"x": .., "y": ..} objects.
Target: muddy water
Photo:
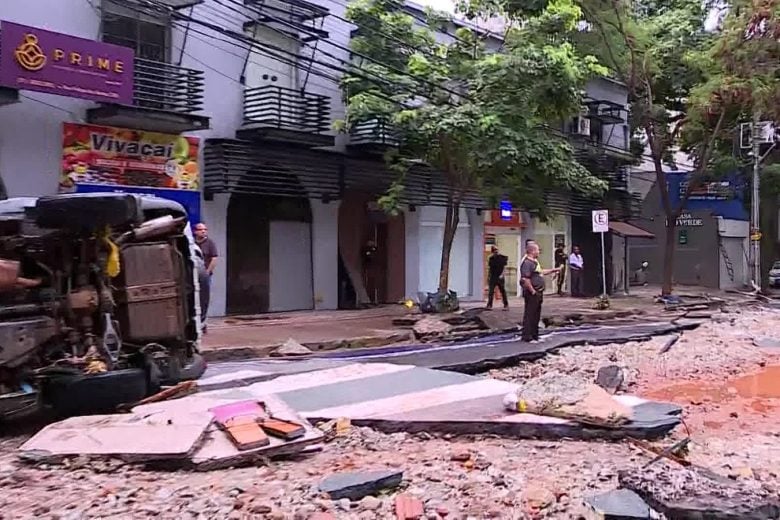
[
  {"x": 756, "y": 395},
  {"x": 761, "y": 385}
]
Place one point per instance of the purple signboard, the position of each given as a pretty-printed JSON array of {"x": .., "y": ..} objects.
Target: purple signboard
[{"x": 45, "y": 61}]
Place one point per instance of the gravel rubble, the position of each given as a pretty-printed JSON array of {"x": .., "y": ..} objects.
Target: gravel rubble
[{"x": 457, "y": 478}]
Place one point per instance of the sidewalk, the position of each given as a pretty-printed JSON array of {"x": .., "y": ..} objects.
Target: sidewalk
[
  {"x": 250, "y": 336},
  {"x": 255, "y": 336}
]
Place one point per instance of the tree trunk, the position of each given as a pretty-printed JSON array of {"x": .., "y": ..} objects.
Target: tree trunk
[
  {"x": 451, "y": 220},
  {"x": 667, "y": 282}
]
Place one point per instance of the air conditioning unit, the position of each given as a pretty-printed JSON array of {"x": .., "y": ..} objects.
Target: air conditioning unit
[
  {"x": 767, "y": 134},
  {"x": 582, "y": 125}
]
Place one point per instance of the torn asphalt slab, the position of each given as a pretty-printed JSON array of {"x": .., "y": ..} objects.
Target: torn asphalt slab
[{"x": 696, "y": 493}]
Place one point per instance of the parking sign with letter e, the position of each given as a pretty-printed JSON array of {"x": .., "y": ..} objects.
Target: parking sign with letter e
[{"x": 600, "y": 220}]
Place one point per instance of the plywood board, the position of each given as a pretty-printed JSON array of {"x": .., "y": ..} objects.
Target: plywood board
[{"x": 165, "y": 434}]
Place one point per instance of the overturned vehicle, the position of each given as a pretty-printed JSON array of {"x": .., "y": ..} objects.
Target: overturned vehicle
[{"x": 99, "y": 301}]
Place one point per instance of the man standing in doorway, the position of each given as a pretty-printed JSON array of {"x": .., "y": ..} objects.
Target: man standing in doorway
[
  {"x": 496, "y": 265},
  {"x": 210, "y": 254},
  {"x": 560, "y": 263},
  {"x": 532, "y": 278},
  {"x": 576, "y": 266}
]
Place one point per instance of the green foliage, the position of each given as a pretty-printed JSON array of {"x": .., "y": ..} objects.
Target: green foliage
[
  {"x": 477, "y": 116},
  {"x": 475, "y": 113}
]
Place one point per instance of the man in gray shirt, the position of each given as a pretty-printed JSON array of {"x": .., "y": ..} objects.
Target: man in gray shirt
[{"x": 532, "y": 279}]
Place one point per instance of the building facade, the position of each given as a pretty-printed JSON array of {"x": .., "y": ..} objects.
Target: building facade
[
  {"x": 712, "y": 235},
  {"x": 252, "y": 89}
]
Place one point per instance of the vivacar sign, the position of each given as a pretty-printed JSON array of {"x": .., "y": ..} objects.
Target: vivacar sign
[{"x": 54, "y": 63}]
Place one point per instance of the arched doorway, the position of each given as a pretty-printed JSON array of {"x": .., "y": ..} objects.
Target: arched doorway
[{"x": 269, "y": 262}]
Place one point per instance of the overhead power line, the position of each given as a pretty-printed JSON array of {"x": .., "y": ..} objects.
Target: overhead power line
[{"x": 293, "y": 58}]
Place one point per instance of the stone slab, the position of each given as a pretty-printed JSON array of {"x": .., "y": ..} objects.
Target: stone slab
[
  {"x": 621, "y": 504},
  {"x": 289, "y": 384},
  {"x": 369, "y": 389},
  {"x": 162, "y": 434},
  {"x": 405, "y": 403},
  {"x": 273, "y": 368},
  {"x": 355, "y": 485},
  {"x": 767, "y": 343}
]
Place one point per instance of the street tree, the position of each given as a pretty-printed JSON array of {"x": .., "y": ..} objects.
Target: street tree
[
  {"x": 651, "y": 46},
  {"x": 741, "y": 79},
  {"x": 476, "y": 114}
]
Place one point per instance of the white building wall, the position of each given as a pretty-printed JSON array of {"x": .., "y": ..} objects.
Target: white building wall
[
  {"x": 464, "y": 255},
  {"x": 325, "y": 253}
]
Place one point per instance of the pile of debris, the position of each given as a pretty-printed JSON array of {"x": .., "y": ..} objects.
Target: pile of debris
[
  {"x": 197, "y": 432},
  {"x": 689, "y": 493}
]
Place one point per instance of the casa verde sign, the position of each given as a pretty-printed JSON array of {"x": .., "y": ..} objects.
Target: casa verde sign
[
  {"x": 54, "y": 63},
  {"x": 686, "y": 220}
]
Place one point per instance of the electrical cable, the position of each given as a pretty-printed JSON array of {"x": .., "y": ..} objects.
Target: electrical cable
[{"x": 255, "y": 43}]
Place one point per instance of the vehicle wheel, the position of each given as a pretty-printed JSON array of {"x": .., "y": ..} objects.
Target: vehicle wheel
[
  {"x": 96, "y": 393},
  {"x": 194, "y": 368}
]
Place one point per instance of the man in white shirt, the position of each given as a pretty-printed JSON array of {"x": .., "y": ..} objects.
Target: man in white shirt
[{"x": 576, "y": 266}]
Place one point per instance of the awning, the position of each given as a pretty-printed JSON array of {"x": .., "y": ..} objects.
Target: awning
[{"x": 624, "y": 229}]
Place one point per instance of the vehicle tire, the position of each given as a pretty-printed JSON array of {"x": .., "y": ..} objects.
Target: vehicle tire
[
  {"x": 96, "y": 393},
  {"x": 194, "y": 369}
]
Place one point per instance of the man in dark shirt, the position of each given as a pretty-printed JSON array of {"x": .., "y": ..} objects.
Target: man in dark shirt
[
  {"x": 210, "y": 254},
  {"x": 496, "y": 264},
  {"x": 532, "y": 279},
  {"x": 560, "y": 262}
]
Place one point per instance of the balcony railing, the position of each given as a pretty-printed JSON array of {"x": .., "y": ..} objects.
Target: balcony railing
[
  {"x": 166, "y": 87},
  {"x": 281, "y": 108},
  {"x": 374, "y": 132}
]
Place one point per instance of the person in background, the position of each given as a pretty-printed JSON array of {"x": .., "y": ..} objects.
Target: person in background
[
  {"x": 369, "y": 270},
  {"x": 532, "y": 278},
  {"x": 210, "y": 254},
  {"x": 496, "y": 265},
  {"x": 560, "y": 262},
  {"x": 576, "y": 267}
]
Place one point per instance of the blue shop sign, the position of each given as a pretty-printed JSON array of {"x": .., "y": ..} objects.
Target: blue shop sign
[
  {"x": 724, "y": 197},
  {"x": 190, "y": 199}
]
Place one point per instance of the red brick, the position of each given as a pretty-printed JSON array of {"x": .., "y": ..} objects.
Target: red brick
[{"x": 408, "y": 508}]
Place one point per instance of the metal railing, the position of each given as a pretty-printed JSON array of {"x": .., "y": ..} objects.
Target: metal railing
[
  {"x": 271, "y": 106},
  {"x": 162, "y": 86},
  {"x": 376, "y": 132}
]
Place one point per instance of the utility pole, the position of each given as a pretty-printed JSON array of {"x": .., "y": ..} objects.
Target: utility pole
[{"x": 755, "y": 220}]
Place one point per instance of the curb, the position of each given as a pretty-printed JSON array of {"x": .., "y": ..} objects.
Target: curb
[{"x": 237, "y": 353}]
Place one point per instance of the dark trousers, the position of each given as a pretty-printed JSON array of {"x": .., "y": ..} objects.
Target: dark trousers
[
  {"x": 531, "y": 315},
  {"x": 577, "y": 283},
  {"x": 561, "y": 277},
  {"x": 492, "y": 284}
]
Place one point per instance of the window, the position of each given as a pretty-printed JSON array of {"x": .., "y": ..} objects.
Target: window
[{"x": 146, "y": 35}]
